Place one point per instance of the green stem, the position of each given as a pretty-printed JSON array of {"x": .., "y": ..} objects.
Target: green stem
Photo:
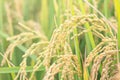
[
  {"x": 106, "y": 8},
  {"x": 90, "y": 36},
  {"x": 77, "y": 48},
  {"x": 117, "y": 10},
  {"x": 76, "y": 43}
]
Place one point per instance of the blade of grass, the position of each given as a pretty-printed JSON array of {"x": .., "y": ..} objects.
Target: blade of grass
[
  {"x": 58, "y": 11},
  {"x": 44, "y": 16},
  {"x": 51, "y": 18},
  {"x": 106, "y": 8},
  {"x": 1, "y": 23},
  {"x": 117, "y": 10},
  {"x": 91, "y": 10},
  {"x": 1, "y": 15},
  {"x": 16, "y": 69},
  {"x": 26, "y": 9}
]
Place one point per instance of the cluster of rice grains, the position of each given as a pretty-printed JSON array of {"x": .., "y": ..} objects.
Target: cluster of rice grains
[
  {"x": 57, "y": 56},
  {"x": 66, "y": 65}
]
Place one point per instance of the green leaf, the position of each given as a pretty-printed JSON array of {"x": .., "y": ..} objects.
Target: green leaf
[{"x": 16, "y": 69}]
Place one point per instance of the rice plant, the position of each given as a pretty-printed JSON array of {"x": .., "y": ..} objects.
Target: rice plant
[{"x": 59, "y": 40}]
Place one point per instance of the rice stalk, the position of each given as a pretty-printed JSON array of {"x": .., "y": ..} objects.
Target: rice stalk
[{"x": 55, "y": 44}]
